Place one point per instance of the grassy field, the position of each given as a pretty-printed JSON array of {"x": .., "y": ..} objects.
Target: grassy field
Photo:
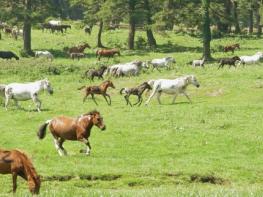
[{"x": 212, "y": 147}]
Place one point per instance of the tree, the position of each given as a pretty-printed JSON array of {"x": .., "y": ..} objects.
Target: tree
[
  {"x": 235, "y": 13},
  {"x": 206, "y": 30}
]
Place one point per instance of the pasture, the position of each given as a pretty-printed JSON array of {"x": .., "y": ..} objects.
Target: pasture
[{"x": 212, "y": 147}]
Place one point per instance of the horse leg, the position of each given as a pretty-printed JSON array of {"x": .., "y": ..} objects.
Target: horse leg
[
  {"x": 37, "y": 102},
  {"x": 17, "y": 105},
  {"x": 93, "y": 98},
  {"x": 175, "y": 96},
  {"x": 187, "y": 97},
  {"x": 57, "y": 146},
  {"x": 105, "y": 97},
  {"x": 127, "y": 100},
  {"x": 158, "y": 97},
  {"x": 139, "y": 99},
  {"x": 61, "y": 141},
  {"x": 153, "y": 93},
  {"x": 14, "y": 177},
  {"x": 88, "y": 147},
  {"x": 6, "y": 101}
]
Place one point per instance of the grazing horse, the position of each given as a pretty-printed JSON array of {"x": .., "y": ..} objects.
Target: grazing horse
[
  {"x": 107, "y": 53},
  {"x": 95, "y": 73},
  {"x": 78, "y": 49},
  {"x": 138, "y": 91},
  {"x": 101, "y": 89},
  {"x": 66, "y": 128},
  {"x": 45, "y": 54},
  {"x": 18, "y": 164},
  {"x": 26, "y": 91},
  {"x": 231, "y": 48},
  {"x": 172, "y": 86},
  {"x": 228, "y": 61},
  {"x": 8, "y": 55}
]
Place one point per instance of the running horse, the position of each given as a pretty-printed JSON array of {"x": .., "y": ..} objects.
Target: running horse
[
  {"x": 101, "y": 89},
  {"x": 18, "y": 164},
  {"x": 67, "y": 128},
  {"x": 78, "y": 49},
  {"x": 231, "y": 48},
  {"x": 107, "y": 53}
]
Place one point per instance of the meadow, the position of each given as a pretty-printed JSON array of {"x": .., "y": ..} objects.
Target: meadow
[{"x": 212, "y": 147}]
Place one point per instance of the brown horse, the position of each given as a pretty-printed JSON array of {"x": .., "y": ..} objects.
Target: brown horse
[
  {"x": 231, "y": 48},
  {"x": 101, "y": 89},
  {"x": 78, "y": 49},
  {"x": 17, "y": 163},
  {"x": 66, "y": 128},
  {"x": 107, "y": 53}
]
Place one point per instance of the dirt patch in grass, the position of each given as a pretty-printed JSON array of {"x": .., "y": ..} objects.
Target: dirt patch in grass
[
  {"x": 208, "y": 179},
  {"x": 105, "y": 177}
]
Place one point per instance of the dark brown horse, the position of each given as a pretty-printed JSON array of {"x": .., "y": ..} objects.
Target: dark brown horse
[
  {"x": 138, "y": 91},
  {"x": 231, "y": 48},
  {"x": 78, "y": 49},
  {"x": 18, "y": 164},
  {"x": 107, "y": 53},
  {"x": 101, "y": 89},
  {"x": 95, "y": 73},
  {"x": 66, "y": 128},
  {"x": 228, "y": 61}
]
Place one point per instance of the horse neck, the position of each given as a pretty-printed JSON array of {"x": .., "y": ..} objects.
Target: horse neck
[
  {"x": 39, "y": 85},
  {"x": 88, "y": 125},
  {"x": 105, "y": 87}
]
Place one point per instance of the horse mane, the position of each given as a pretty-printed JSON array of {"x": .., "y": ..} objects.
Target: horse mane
[
  {"x": 93, "y": 112},
  {"x": 28, "y": 166}
]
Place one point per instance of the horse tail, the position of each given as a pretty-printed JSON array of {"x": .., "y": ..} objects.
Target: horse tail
[
  {"x": 42, "y": 130},
  {"x": 121, "y": 90},
  {"x": 81, "y": 87}
]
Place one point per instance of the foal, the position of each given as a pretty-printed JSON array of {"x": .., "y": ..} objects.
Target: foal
[
  {"x": 101, "y": 89},
  {"x": 17, "y": 163},
  {"x": 138, "y": 91},
  {"x": 231, "y": 48},
  {"x": 95, "y": 73}
]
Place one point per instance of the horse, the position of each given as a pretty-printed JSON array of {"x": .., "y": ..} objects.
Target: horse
[
  {"x": 45, "y": 26},
  {"x": 162, "y": 62},
  {"x": 8, "y": 55},
  {"x": 95, "y": 73},
  {"x": 79, "y": 49},
  {"x": 76, "y": 55},
  {"x": 67, "y": 128},
  {"x": 17, "y": 163},
  {"x": 199, "y": 63},
  {"x": 172, "y": 86},
  {"x": 231, "y": 48},
  {"x": 107, "y": 53},
  {"x": 138, "y": 91},
  {"x": 65, "y": 27},
  {"x": 228, "y": 61},
  {"x": 101, "y": 89},
  {"x": 251, "y": 59},
  {"x": 87, "y": 29},
  {"x": 54, "y": 22},
  {"x": 26, "y": 91},
  {"x": 45, "y": 54},
  {"x": 129, "y": 69}
]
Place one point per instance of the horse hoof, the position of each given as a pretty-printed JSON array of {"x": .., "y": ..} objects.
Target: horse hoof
[{"x": 82, "y": 151}]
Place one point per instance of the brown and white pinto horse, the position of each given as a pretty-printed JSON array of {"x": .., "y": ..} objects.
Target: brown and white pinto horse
[
  {"x": 101, "y": 89},
  {"x": 78, "y": 49},
  {"x": 66, "y": 128},
  {"x": 17, "y": 163},
  {"x": 231, "y": 48},
  {"x": 107, "y": 53}
]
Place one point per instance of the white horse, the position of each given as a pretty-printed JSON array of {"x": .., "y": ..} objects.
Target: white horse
[
  {"x": 45, "y": 54},
  {"x": 198, "y": 63},
  {"x": 162, "y": 63},
  {"x": 251, "y": 59},
  {"x": 26, "y": 91},
  {"x": 172, "y": 86},
  {"x": 54, "y": 22}
]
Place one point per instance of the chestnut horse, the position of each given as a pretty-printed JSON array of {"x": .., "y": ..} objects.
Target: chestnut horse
[
  {"x": 107, "y": 53},
  {"x": 66, "y": 128},
  {"x": 231, "y": 48},
  {"x": 101, "y": 89},
  {"x": 78, "y": 49},
  {"x": 17, "y": 163}
]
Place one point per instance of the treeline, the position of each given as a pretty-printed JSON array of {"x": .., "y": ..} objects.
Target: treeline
[{"x": 222, "y": 16}]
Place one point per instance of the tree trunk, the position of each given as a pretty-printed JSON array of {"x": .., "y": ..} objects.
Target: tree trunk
[
  {"x": 206, "y": 30},
  {"x": 237, "y": 28},
  {"x": 150, "y": 37},
  {"x": 258, "y": 20},
  {"x": 99, "y": 43},
  {"x": 251, "y": 22},
  {"x": 27, "y": 28},
  {"x": 132, "y": 24},
  {"x": 224, "y": 26}
]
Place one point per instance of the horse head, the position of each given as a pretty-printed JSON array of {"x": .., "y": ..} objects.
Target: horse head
[
  {"x": 47, "y": 86},
  {"x": 34, "y": 184},
  {"x": 109, "y": 83},
  {"x": 97, "y": 119},
  {"x": 191, "y": 79}
]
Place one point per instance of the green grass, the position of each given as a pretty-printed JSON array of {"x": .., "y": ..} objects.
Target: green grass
[{"x": 145, "y": 151}]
